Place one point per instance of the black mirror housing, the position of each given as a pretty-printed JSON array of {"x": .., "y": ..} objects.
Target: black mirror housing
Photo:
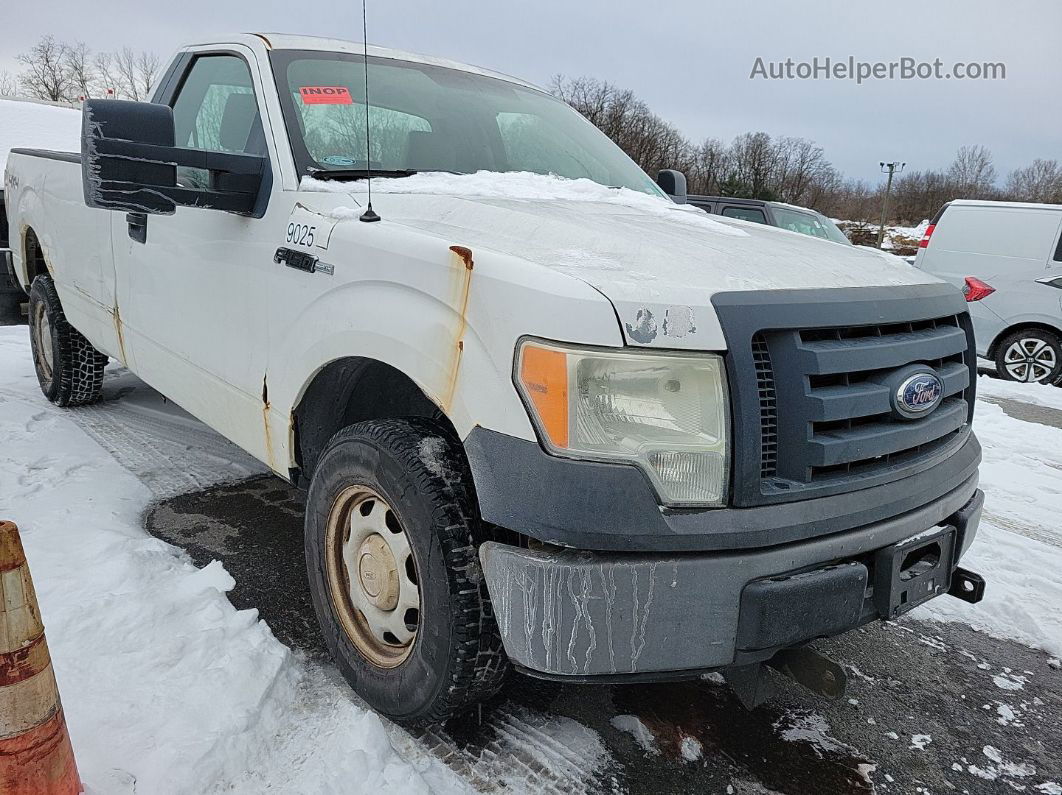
[
  {"x": 673, "y": 183},
  {"x": 129, "y": 162},
  {"x": 112, "y": 179}
]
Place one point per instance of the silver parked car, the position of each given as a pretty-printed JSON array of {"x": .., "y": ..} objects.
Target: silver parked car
[{"x": 1007, "y": 257}]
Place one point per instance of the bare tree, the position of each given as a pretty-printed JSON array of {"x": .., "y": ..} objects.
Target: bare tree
[
  {"x": 792, "y": 169},
  {"x": 1039, "y": 182},
  {"x": 77, "y": 61},
  {"x": 126, "y": 73},
  {"x": 46, "y": 74},
  {"x": 8, "y": 84},
  {"x": 649, "y": 140},
  {"x": 972, "y": 172},
  {"x": 147, "y": 69}
]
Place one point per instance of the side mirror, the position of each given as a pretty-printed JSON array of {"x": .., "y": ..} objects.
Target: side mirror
[
  {"x": 129, "y": 162},
  {"x": 673, "y": 183}
]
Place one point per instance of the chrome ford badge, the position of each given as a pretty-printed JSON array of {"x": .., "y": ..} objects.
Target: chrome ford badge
[{"x": 919, "y": 394}]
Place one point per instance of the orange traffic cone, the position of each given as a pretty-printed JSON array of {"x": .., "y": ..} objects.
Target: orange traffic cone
[{"x": 35, "y": 753}]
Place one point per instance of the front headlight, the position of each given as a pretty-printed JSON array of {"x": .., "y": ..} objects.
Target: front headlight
[{"x": 665, "y": 412}]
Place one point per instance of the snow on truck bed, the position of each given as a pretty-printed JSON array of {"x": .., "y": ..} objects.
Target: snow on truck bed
[{"x": 35, "y": 125}]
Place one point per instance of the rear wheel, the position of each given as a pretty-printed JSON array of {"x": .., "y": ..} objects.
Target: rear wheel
[
  {"x": 1030, "y": 355},
  {"x": 394, "y": 575},
  {"x": 69, "y": 369}
]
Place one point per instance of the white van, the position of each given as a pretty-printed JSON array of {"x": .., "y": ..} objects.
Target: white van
[{"x": 1007, "y": 257}]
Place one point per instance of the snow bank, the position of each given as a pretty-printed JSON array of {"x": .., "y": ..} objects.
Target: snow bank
[
  {"x": 167, "y": 688},
  {"x": 24, "y": 123},
  {"x": 1037, "y": 394},
  {"x": 1018, "y": 548},
  {"x": 526, "y": 186}
]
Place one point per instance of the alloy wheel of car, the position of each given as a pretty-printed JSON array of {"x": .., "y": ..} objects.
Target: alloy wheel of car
[
  {"x": 1030, "y": 359},
  {"x": 372, "y": 576}
]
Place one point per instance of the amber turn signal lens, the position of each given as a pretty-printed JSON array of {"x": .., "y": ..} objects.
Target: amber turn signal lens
[{"x": 544, "y": 376}]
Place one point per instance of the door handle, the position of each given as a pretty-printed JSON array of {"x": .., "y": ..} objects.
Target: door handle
[
  {"x": 301, "y": 261},
  {"x": 137, "y": 226}
]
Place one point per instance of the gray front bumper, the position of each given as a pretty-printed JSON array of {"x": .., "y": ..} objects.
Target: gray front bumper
[{"x": 567, "y": 613}]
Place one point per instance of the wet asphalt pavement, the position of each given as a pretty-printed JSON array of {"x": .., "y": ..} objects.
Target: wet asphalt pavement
[{"x": 930, "y": 707}]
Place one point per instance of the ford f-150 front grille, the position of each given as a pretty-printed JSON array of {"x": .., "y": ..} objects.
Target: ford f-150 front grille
[
  {"x": 853, "y": 424},
  {"x": 815, "y": 387}
]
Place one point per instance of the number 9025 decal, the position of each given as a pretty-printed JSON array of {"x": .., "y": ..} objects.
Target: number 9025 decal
[{"x": 300, "y": 234}]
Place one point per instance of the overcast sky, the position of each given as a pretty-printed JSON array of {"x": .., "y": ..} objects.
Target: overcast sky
[{"x": 689, "y": 59}]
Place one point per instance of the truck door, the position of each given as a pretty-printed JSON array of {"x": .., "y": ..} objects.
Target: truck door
[{"x": 193, "y": 297}]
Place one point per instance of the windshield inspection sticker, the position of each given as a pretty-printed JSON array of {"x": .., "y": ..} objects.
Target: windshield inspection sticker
[{"x": 325, "y": 95}]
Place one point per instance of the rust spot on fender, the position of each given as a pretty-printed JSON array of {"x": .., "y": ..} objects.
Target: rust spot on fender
[
  {"x": 461, "y": 257},
  {"x": 464, "y": 254}
]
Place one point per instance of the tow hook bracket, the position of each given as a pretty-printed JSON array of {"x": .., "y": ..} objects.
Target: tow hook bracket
[
  {"x": 817, "y": 672},
  {"x": 805, "y": 666},
  {"x": 967, "y": 585},
  {"x": 750, "y": 683}
]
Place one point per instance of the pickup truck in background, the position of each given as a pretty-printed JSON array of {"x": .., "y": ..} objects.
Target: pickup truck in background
[
  {"x": 785, "y": 216},
  {"x": 549, "y": 421}
]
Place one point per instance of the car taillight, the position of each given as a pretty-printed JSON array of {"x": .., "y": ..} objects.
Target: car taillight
[
  {"x": 925, "y": 238},
  {"x": 976, "y": 289}
]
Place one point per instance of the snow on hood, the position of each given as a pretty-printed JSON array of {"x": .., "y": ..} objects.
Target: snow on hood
[
  {"x": 650, "y": 257},
  {"x": 526, "y": 186},
  {"x": 36, "y": 125}
]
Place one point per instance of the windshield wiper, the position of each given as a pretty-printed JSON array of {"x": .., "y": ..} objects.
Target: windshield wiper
[{"x": 359, "y": 173}]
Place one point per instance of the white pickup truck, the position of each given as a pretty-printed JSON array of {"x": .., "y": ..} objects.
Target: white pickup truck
[{"x": 549, "y": 419}]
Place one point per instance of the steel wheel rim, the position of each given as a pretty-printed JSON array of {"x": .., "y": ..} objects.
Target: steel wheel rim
[
  {"x": 1030, "y": 359},
  {"x": 372, "y": 576},
  {"x": 42, "y": 337}
]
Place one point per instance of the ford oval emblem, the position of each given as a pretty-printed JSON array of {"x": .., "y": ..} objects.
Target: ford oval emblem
[{"x": 919, "y": 394}]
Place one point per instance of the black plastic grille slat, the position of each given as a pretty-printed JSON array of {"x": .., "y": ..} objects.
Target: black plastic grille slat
[
  {"x": 882, "y": 351},
  {"x": 884, "y": 437},
  {"x": 761, "y": 355},
  {"x": 851, "y": 430}
]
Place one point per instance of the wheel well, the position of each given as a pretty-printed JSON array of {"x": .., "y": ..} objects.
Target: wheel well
[
  {"x": 1020, "y": 327},
  {"x": 33, "y": 257},
  {"x": 350, "y": 390}
]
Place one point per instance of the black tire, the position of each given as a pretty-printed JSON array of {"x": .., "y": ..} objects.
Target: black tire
[
  {"x": 1030, "y": 354},
  {"x": 455, "y": 659},
  {"x": 69, "y": 369}
]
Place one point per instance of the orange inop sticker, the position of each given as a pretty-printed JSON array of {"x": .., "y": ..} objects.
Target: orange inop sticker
[{"x": 325, "y": 95}]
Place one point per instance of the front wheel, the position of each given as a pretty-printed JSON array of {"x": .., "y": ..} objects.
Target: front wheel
[
  {"x": 1030, "y": 355},
  {"x": 394, "y": 574}
]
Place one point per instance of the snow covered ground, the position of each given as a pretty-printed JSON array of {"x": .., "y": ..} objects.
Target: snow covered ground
[
  {"x": 37, "y": 125},
  {"x": 1019, "y": 545},
  {"x": 169, "y": 689}
]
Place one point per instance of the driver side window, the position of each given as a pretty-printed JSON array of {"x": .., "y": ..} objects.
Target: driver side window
[{"x": 216, "y": 110}]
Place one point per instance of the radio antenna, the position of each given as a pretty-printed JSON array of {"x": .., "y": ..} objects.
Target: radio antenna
[{"x": 369, "y": 215}]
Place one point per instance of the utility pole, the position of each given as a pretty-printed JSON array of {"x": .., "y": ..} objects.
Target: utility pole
[{"x": 891, "y": 168}]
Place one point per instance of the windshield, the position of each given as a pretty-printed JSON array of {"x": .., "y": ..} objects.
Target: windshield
[
  {"x": 809, "y": 223},
  {"x": 431, "y": 118}
]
